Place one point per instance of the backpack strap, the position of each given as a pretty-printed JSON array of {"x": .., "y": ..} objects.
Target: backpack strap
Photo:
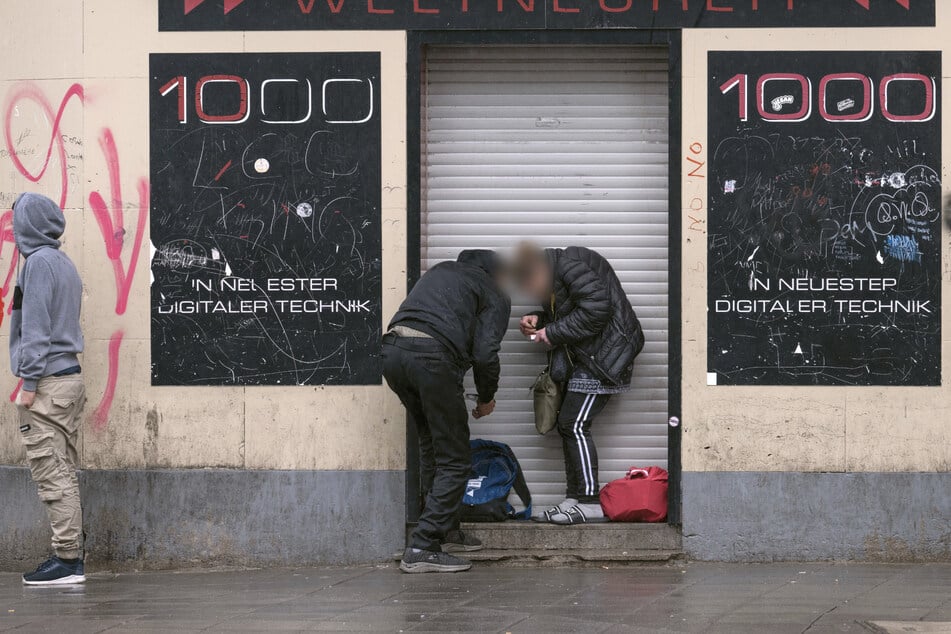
[
  {"x": 521, "y": 489},
  {"x": 520, "y": 486}
]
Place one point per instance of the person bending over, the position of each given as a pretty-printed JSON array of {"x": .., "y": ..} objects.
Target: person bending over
[
  {"x": 453, "y": 319},
  {"x": 594, "y": 336}
]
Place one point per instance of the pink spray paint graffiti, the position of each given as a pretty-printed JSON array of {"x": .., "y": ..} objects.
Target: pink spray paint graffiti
[
  {"x": 111, "y": 222},
  {"x": 112, "y": 227},
  {"x": 100, "y": 416},
  {"x": 109, "y": 215},
  {"x": 30, "y": 92}
]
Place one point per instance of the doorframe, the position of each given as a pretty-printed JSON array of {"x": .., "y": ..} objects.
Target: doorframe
[{"x": 416, "y": 43}]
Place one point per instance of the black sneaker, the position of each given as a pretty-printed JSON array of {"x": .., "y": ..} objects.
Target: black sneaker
[
  {"x": 54, "y": 571},
  {"x": 417, "y": 561},
  {"x": 460, "y": 542}
]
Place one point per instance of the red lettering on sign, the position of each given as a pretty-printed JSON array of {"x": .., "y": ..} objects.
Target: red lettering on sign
[
  {"x": 559, "y": 9},
  {"x": 904, "y": 3},
  {"x": 527, "y": 5},
  {"x": 622, "y": 9},
  {"x": 373, "y": 9},
  {"x": 230, "y": 5},
  {"x": 419, "y": 9},
  {"x": 789, "y": 5}
]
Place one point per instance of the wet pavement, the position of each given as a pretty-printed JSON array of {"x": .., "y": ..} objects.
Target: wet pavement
[{"x": 694, "y": 597}]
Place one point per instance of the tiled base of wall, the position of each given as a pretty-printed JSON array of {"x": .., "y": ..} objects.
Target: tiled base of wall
[
  {"x": 188, "y": 518},
  {"x": 783, "y": 516}
]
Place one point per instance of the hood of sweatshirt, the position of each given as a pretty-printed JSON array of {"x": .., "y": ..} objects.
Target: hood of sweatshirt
[
  {"x": 38, "y": 222},
  {"x": 488, "y": 261}
]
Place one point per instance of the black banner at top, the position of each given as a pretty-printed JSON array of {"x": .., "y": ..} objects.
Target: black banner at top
[{"x": 306, "y": 15}]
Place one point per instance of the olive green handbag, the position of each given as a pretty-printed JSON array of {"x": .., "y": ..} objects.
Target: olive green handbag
[
  {"x": 547, "y": 401},
  {"x": 546, "y": 395}
]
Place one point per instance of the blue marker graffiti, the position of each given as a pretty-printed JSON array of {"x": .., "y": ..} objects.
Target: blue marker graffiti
[{"x": 902, "y": 248}]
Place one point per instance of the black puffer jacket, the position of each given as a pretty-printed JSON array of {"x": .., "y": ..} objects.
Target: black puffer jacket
[
  {"x": 459, "y": 304},
  {"x": 592, "y": 320}
]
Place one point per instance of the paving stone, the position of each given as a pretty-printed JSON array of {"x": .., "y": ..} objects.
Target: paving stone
[{"x": 676, "y": 598}]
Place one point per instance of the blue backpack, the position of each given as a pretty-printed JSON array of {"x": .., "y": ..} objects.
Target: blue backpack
[{"x": 495, "y": 472}]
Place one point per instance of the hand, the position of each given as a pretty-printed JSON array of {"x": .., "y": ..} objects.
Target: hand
[
  {"x": 542, "y": 337},
  {"x": 528, "y": 324},
  {"x": 483, "y": 409},
  {"x": 27, "y": 398}
]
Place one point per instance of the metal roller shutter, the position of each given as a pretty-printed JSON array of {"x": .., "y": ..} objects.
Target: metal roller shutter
[{"x": 561, "y": 145}]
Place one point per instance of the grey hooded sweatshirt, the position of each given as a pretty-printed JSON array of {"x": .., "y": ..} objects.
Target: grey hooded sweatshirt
[{"x": 45, "y": 335}]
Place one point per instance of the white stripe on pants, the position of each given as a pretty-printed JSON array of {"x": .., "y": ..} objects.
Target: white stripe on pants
[{"x": 586, "y": 469}]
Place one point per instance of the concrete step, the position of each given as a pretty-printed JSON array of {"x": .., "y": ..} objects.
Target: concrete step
[
  {"x": 567, "y": 557},
  {"x": 611, "y": 537},
  {"x": 571, "y": 557}
]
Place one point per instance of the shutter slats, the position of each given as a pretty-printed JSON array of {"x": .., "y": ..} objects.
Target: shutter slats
[{"x": 562, "y": 145}]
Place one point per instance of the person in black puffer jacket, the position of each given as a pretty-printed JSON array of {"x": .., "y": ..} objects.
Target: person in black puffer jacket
[{"x": 594, "y": 336}]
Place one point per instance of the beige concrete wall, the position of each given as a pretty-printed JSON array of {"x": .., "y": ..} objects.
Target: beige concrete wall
[
  {"x": 102, "y": 47},
  {"x": 798, "y": 428}
]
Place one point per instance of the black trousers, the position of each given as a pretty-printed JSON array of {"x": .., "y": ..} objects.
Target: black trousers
[
  {"x": 581, "y": 456},
  {"x": 428, "y": 381}
]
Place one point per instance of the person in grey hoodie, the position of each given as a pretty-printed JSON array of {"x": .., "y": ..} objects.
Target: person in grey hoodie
[{"x": 45, "y": 343}]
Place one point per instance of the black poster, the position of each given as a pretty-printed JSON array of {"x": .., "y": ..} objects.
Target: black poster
[
  {"x": 265, "y": 219},
  {"x": 276, "y": 15},
  {"x": 824, "y": 263}
]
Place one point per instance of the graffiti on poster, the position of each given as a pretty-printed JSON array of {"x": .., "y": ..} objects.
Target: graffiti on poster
[
  {"x": 824, "y": 264},
  {"x": 265, "y": 225}
]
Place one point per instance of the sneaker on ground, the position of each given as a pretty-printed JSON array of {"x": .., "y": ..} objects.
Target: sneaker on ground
[
  {"x": 54, "y": 571},
  {"x": 417, "y": 561},
  {"x": 460, "y": 542}
]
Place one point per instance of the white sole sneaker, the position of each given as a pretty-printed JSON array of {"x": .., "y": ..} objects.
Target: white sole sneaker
[
  {"x": 425, "y": 566},
  {"x": 461, "y": 548},
  {"x": 62, "y": 581}
]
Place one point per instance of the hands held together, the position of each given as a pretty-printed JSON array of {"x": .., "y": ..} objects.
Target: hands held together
[{"x": 528, "y": 327}]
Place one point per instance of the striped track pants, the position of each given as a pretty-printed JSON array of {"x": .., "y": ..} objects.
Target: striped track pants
[{"x": 581, "y": 457}]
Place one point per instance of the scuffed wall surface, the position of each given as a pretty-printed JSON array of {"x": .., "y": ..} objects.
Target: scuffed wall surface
[
  {"x": 179, "y": 518},
  {"x": 764, "y": 428},
  {"x": 769, "y": 516},
  {"x": 74, "y": 102}
]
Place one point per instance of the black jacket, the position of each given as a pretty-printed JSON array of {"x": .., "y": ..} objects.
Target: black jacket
[
  {"x": 459, "y": 304},
  {"x": 592, "y": 320}
]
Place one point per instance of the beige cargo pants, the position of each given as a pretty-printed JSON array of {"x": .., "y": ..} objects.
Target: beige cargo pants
[{"x": 49, "y": 430}]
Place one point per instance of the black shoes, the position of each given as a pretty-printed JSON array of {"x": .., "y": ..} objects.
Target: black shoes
[
  {"x": 459, "y": 542},
  {"x": 417, "y": 561},
  {"x": 54, "y": 572}
]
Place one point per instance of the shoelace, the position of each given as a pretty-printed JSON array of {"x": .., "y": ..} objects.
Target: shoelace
[{"x": 47, "y": 565}]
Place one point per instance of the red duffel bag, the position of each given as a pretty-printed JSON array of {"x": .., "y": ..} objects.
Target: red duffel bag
[{"x": 640, "y": 496}]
